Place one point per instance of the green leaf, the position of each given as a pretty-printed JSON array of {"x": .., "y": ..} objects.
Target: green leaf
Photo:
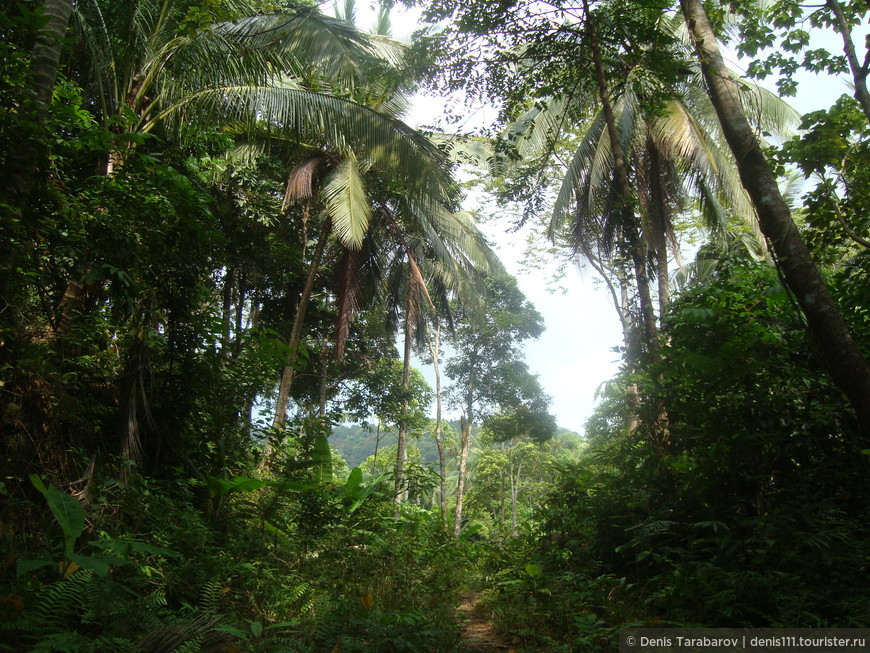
[
  {"x": 232, "y": 630},
  {"x": 66, "y": 510},
  {"x": 366, "y": 490},
  {"x": 222, "y": 486},
  {"x": 347, "y": 203},
  {"x": 354, "y": 483},
  {"x": 126, "y": 547},
  {"x": 256, "y": 628},
  {"x": 321, "y": 458},
  {"x": 533, "y": 570},
  {"x": 100, "y": 566},
  {"x": 24, "y": 566}
]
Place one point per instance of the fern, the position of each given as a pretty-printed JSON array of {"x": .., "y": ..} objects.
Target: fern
[{"x": 210, "y": 596}]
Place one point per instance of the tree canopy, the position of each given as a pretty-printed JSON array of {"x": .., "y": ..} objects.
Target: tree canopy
[{"x": 265, "y": 384}]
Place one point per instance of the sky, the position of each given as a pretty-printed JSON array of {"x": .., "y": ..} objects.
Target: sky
[{"x": 575, "y": 355}]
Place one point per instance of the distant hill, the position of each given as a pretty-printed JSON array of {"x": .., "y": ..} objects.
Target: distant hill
[{"x": 356, "y": 443}]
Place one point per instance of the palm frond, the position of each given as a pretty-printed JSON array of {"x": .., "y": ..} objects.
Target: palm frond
[
  {"x": 347, "y": 298},
  {"x": 590, "y": 154},
  {"x": 391, "y": 144},
  {"x": 300, "y": 183},
  {"x": 347, "y": 203}
]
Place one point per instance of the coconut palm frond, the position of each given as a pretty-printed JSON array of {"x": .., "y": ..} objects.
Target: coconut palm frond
[
  {"x": 466, "y": 149},
  {"x": 589, "y": 155},
  {"x": 332, "y": 47},
  {"x": 383, "y": 25},
  {"x": 418, "y": 282},
  {"x": 390, "y": 143},
  {"x": 767, "y": 111},
  {"x": 347, "y": 203}
]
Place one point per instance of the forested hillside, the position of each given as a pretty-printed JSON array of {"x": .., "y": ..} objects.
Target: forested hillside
[{"x": 223, "y": 242}]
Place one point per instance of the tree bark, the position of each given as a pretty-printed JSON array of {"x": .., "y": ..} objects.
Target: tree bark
[
  {"x": 515, "y": 491},
  {"x": 859, "y": 70},
  {"x": 377, "y": 445},
  {"x": 636, "y": 246},
  {"x": 24, "y": 162},
  {"x": 845, "y": 362},
  {"x": 435, "y": 349},
  {"x": 289, "y": 370},
  {"x": 465, "y": 445},
  {"x": 658, "y": 221},
  {"x": 402, "y": 448}
]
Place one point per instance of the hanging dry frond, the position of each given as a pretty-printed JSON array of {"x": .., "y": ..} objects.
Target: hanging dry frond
[
  {"x": 300, "y": 182},
  {"x": 347, "y": 297}
]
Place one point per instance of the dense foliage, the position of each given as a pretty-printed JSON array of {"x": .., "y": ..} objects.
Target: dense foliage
[{"x": 221, "y": 244}]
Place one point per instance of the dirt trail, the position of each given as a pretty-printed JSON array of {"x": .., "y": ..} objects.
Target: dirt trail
[{"x": 478, "y": 633}]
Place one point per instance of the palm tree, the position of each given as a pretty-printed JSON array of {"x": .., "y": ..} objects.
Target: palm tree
[
  {"x": 24, "y": 162},
  {"x": 848, "y": 367},
  {"x": 672, "y": 150},
  {"x": 366, "y": 200}
]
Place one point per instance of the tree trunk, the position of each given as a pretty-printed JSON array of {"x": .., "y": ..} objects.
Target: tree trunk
[
  {"x": 859, "y": 70},
  {"x": 24, "y": 162},
  {"x": 289, "y": 370},
  {"x": 636, "y": 246},
  {"x": 435, "y": 349},
  {"x": 515, "y": 491},
  {"x": 402, "y": 448},
  {"x": 464, "y": 446},
  {"x": 324, "y": 377},
  {"x": 658, "y": 221},
  {"x": 847, "y": 366},
  {"x": 226, "y": 312},
  {"x": 377, "y": 444}
]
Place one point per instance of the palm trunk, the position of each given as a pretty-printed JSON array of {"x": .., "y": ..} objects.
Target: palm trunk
[
  {"x": 289, "y": 370},
  {"x": 324, "y": 377},
  {"x": 636, "y": 245},
  {"x": 847, "y": 366},
  {"x": 659, "y": 219},
  {"x": 24, "y": 161},
  {"x": 226, "y": 312}
]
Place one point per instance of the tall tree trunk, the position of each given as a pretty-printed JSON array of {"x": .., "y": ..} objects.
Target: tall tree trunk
[
  {"x": 501, "y": 509},
  {"x": 226, "y": 312},
  {"x": 289, "y": 370},
  {"x": 435, "y": 350},
  {"x": 515, "y": 491},
  {"x": 377, "y": 444},
  {"x": 465, "y": 445},
  {"x": 324, "y": 377},
  {"x": 847, "y": 366},
  {"x": 24, "y": 161},
  {"x": 858, "y": 69},
  {"x": 658, "y": 221},
  {"x": 636, "y": 246},
  {"x": 402, "y": 448}
]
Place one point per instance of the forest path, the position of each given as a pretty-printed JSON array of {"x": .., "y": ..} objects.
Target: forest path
[{"x": 478, "y": 632}]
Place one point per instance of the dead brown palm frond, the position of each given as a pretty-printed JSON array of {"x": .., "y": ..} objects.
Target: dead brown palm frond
[
  {"x": 300, "y": 183},
  {"x": 347, "y": 296}
]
